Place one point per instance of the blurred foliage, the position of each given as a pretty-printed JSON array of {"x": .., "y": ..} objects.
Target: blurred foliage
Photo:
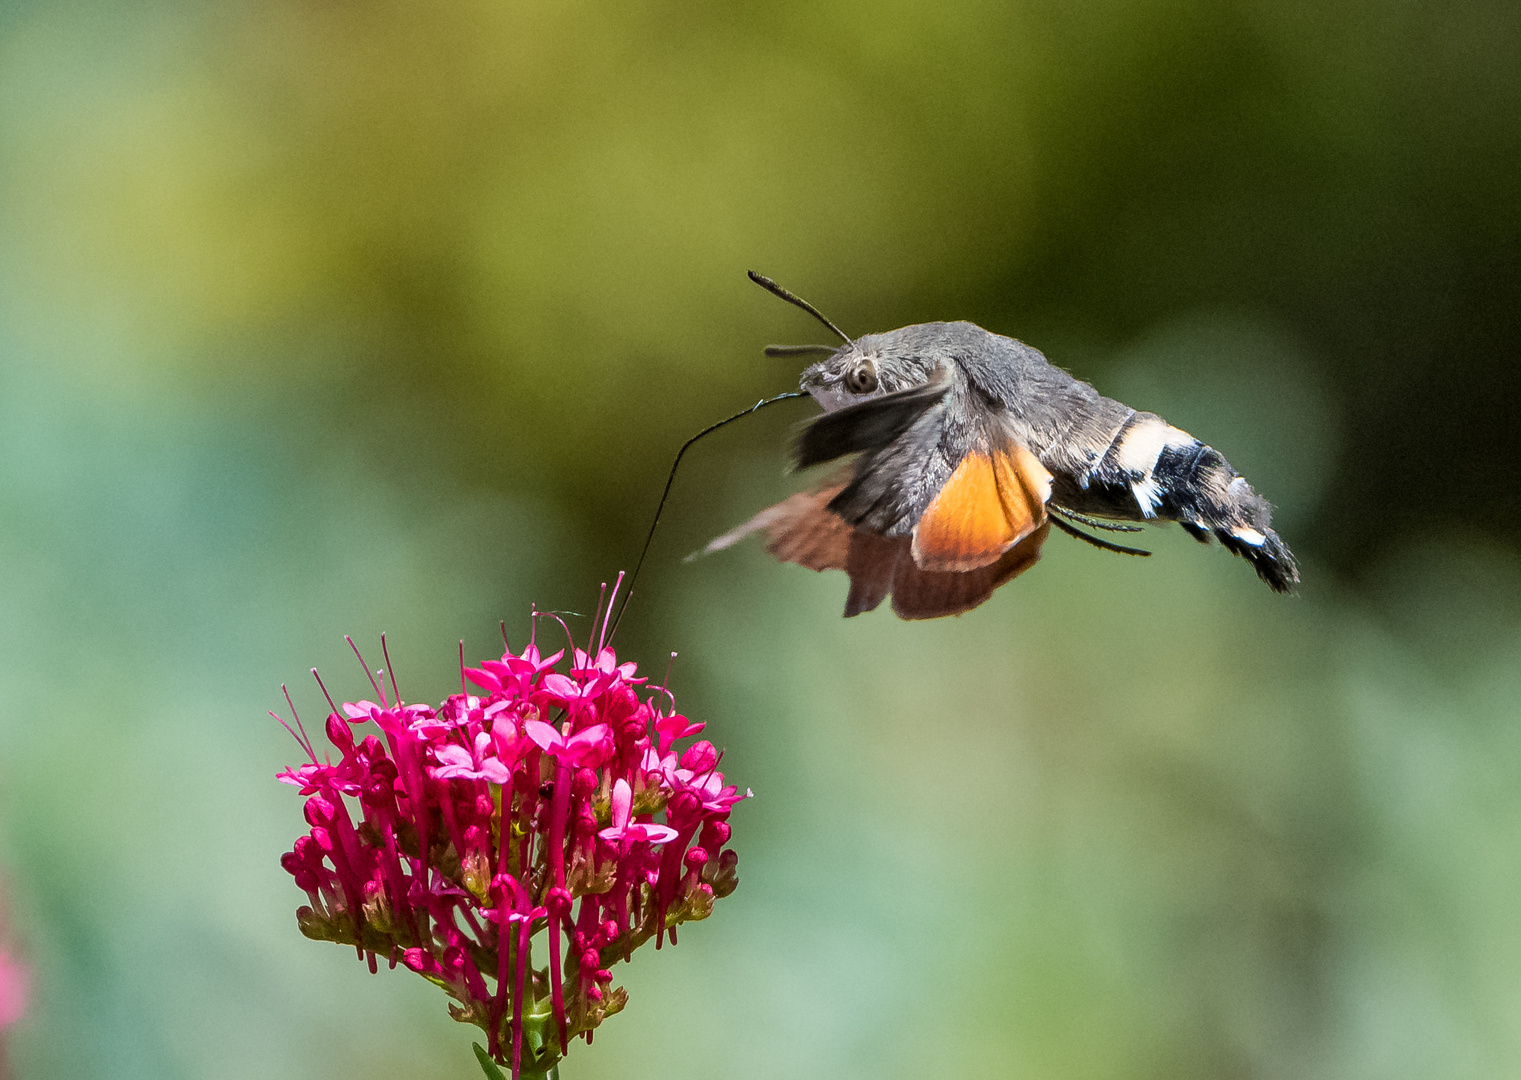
[{"x": 326, "y": 317}]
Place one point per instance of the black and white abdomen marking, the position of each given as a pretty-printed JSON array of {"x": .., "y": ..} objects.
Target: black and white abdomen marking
[{"x": 1152, "y": 470}]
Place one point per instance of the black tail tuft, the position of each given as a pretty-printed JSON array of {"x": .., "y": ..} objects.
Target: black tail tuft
[
  {"x": 1207, "y": 497},
  {"x": 1272, "y": 559}
]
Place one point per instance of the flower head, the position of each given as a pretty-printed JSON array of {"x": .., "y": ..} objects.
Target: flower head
[{"x": 461, "y": 838}]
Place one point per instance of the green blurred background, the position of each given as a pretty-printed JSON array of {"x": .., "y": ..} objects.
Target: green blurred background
[{"x": 340, "y": 317}]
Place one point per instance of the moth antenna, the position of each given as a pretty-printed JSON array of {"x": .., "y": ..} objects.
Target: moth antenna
[
  {"x": 671, "y": 479},
  {"x": 796, "y": 301},
  {"x": 1118, "y": 549},
  {"x": 1097, "y": 523},
  {"x": 800, "y": 350}
]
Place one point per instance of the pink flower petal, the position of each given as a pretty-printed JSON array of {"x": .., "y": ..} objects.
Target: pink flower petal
[
  {"x": 484, "y": 679},
  {"x": 622, "y": 801},
  {"x": 543, "y": 734},
  {"x": 655, "y": 834}
]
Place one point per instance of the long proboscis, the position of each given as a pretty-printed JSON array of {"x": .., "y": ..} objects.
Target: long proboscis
[{"x": 671, "y": 479}]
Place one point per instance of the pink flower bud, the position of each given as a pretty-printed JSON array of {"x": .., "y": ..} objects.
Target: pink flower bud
[
  {"x": 682, "y": 808},
  {"x": 419, "y": 961},
  {"x": 715, "y": 834},
  {"x": 319, "y": 811},
  {"x": 700, "y": 757},
  {"x": 338, "y": 733}
]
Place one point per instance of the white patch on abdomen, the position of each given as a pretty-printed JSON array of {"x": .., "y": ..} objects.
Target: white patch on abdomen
[
  {"x": 1141, "y": 446},
  {"x": 1178, "y": 439},
  {"x": 1248, "y": 536},
  {"x": 1138, "y": 452}
]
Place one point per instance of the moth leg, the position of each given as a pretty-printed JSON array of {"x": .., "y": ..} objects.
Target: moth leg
[
  {"x": 1097, "y": 523},
  {"x": 1118, "y": 549}
]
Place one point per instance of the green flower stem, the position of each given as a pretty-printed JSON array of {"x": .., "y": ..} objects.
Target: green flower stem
[{"x": 494, "y": 1071}]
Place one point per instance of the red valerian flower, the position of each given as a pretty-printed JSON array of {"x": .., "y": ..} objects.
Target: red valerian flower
[{"x": 457, "y": 836}]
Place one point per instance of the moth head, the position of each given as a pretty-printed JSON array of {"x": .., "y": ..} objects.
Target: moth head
[
  {"x": 868, "y": 366},
  {"x": 860, "y": 371}
]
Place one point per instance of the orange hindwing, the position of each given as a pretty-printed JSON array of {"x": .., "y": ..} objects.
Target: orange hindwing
[{"x": 989, "y": 504}]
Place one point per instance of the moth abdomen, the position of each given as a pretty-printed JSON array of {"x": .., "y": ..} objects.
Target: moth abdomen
[{"x": 1154, "y": 471}]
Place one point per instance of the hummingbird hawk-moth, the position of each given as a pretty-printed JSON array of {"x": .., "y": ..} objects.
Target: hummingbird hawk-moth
[{"x": 968, "y": 447}]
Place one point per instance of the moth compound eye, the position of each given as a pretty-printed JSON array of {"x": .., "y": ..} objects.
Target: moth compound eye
[{"x": 861, "y": 379}]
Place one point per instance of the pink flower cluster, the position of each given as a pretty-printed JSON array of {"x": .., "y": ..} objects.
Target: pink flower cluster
[{"x": 452, "y": 838}]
